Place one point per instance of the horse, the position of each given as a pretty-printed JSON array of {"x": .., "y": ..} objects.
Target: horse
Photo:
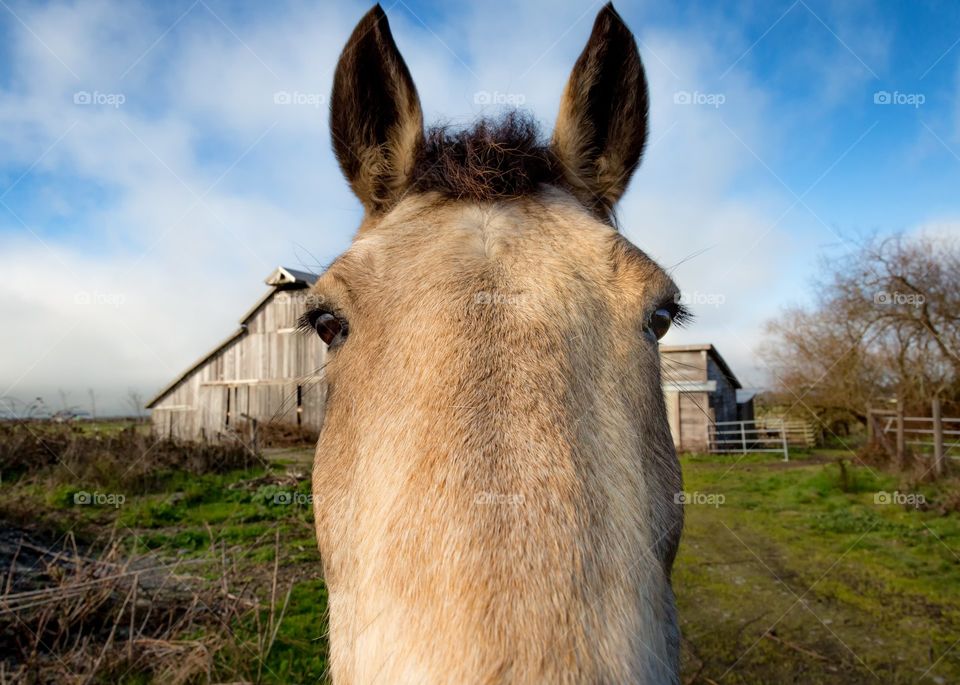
[{"x": 495, "y": 482}]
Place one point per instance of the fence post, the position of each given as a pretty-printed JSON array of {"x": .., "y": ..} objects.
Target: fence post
[
  {"x": 937, "y": 438},
  {"x": 786, "y": 453},
  {"x": 901, "y": 439},
  {"x": 743, "y": 436}
]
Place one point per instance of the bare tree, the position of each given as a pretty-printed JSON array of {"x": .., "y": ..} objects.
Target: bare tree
[
  {"x": 135, "y": 402},
  {"x": 885, "y": 323}
]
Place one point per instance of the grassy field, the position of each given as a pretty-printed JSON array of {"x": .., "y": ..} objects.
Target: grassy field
[{"x": 786, "y": 573}]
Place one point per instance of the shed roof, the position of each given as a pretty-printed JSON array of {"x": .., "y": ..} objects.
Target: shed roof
[{"x": 712, "y": 351}]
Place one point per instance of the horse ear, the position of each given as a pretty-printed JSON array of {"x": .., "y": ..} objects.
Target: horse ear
[
  {"x": 375, "y": 116},
  {"x": 602, "y": 125}
]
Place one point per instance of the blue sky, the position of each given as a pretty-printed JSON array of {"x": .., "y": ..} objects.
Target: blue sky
[{"x": 159, "y": 159}]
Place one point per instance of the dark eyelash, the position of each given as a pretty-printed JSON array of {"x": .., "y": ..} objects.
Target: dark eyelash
[
  {"x": 679, "y": 313},
  {"x": 306, "y": 323}
]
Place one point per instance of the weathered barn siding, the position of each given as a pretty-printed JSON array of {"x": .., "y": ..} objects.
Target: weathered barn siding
[
  {"x": 699, "y": 390},
  {"x": 696, "y": 416},
  {"x": 723, "y": 401},
  {"x": 688, "y": 408},
  {"x": 266, "y": 371}
]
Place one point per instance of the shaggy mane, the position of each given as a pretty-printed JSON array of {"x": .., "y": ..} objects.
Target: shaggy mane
[{"x": 495, "y": 159}]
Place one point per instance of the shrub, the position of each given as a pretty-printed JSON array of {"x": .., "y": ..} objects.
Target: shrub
[{"x": 128, "y": 460}]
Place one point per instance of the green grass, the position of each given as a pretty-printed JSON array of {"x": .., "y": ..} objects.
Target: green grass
[
  {"x": 853, "y": 590},
  {"x": 299, "y": 654}
]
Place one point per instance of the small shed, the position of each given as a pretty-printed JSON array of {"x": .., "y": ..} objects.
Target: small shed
[
  {"x": 700, "y": 390},
  {"x": 264, "y": 372}
]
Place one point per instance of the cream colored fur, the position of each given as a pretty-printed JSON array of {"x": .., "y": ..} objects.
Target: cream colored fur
[{"x": 494, "y": 483}]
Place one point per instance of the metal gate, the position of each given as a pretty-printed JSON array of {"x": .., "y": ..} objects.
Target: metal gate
[{"x": 742, "y": 437}]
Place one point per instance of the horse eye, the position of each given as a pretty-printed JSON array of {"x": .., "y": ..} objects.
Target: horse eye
[
  {"x": 660, "y": 322},
  {"x": 330, "y": 328}
]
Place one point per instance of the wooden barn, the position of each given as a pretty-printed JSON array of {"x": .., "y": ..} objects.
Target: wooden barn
[
  {"x": 265, "y": 371},
  {"x": 700, "y": 391}
]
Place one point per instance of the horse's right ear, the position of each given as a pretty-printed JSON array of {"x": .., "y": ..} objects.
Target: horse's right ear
[
  {"x": 602, "y": 125},
  {"x": 375, "y": 116}
]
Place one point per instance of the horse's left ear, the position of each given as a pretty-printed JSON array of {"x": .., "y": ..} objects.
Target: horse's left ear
[
  {"x": 602, "y": 125},
  {"x": 375, "y": 116}
]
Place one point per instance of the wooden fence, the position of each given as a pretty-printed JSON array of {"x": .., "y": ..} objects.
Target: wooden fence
[
  {"x": 933, "y": 435},
  {"x": 798, "y": 432},
  {"x": 920, "y": 431}
]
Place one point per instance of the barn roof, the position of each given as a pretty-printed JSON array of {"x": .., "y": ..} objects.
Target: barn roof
[
  {"x": 283, "y": 277},
  {"x": 712, "y": 351}
]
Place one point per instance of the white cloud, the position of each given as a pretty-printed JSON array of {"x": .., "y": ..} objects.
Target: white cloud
[{"x": 939, "y": 229}]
